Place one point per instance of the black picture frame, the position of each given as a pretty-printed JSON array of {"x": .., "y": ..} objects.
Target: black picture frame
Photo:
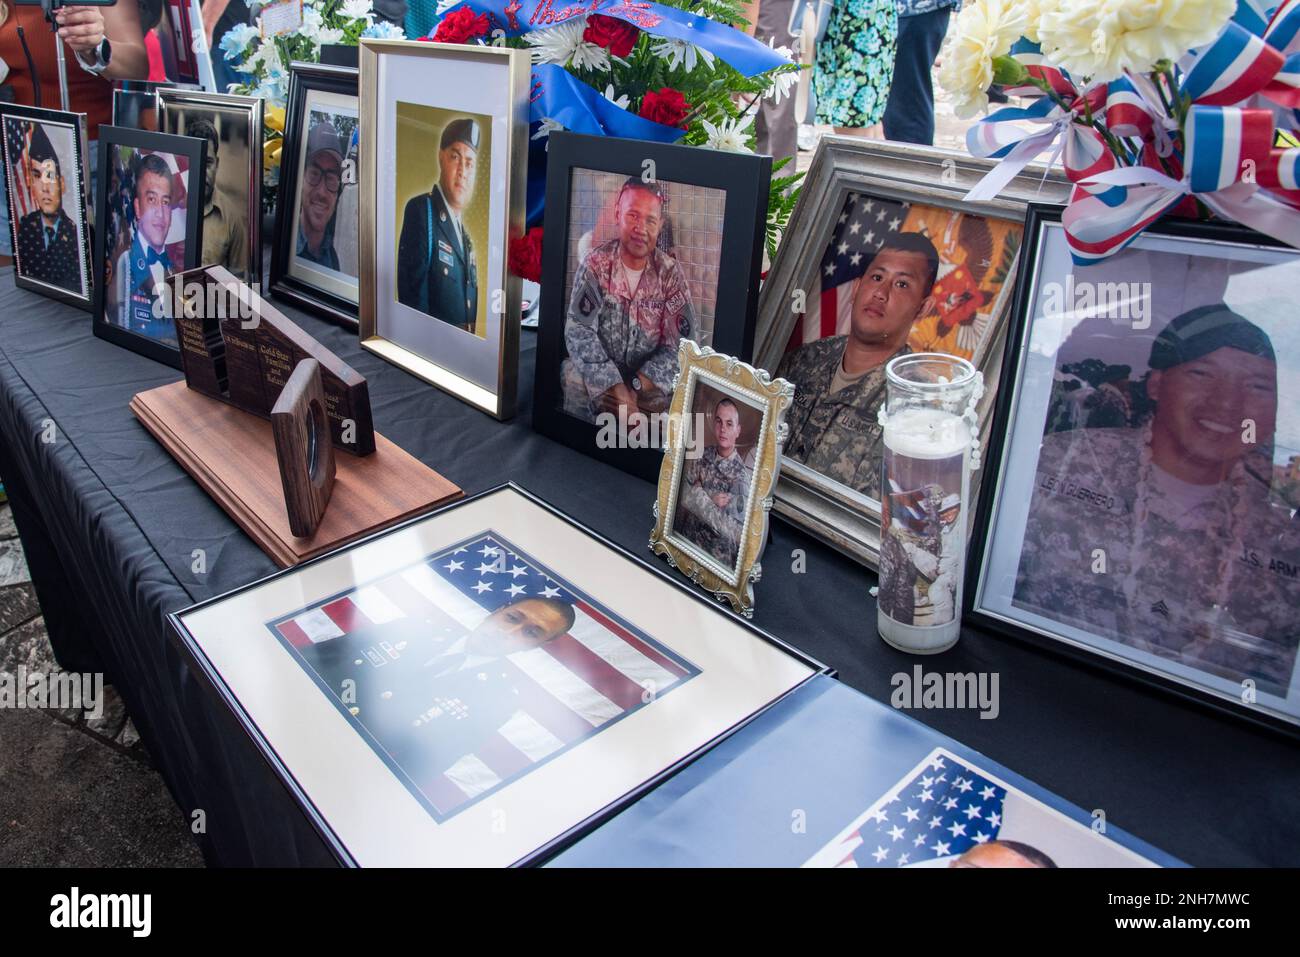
[
  {"x": 194, "y": 150},
  {"x": 745, "y": 178},
  {"x": 305, "y": 78},
  {"x": 212, "y": 680},
  {"x": 77, "y": 123},
  {"x": 1038, "y": 215}
]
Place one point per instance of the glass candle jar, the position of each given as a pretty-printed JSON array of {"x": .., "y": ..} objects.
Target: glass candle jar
[{"x": 930, "y": 434}]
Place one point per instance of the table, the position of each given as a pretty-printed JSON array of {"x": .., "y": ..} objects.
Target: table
[{"x": 117, "y": 536}]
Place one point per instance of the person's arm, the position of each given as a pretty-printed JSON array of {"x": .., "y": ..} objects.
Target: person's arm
[
  {"x": 211, "y": 12},
  {"x": 582, "y": 339},
  {"x": 83, "y": 28}
]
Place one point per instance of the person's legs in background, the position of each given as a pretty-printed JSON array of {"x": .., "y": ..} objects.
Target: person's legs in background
[
  {"x": 909, "y": 113},
  {"x": 776, "y": 127}
]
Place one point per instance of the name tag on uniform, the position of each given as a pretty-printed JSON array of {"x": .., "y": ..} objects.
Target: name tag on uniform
[{"x": 446, "y": 255}]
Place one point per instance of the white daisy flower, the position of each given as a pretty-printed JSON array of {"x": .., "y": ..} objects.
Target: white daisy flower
[
  {"x": 782, "y": 83},
  {"x": 620, "y": 101},
  {"x": 679, "y": 52},
  {"x": 730, "y": 134},
  {"x": 563, "y": 44}
]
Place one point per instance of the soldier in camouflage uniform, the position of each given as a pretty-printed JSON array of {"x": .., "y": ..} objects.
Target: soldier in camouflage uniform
[
  {"x": 839, "y": 382},
  {"x": 629, "y": 308},
  {"x": 1163, "y": 537},
  {"x": 711, "y": 503}
]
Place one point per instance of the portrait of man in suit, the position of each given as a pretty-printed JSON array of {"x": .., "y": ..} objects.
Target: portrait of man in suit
[{"x": 437, "y": 272}]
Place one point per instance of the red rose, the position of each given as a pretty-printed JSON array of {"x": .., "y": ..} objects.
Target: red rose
[
  {"x": 666, "y": 106},
  {"x": 615, "y": 35},
  {"x": 525, "y": 255},
  {"x": 460, "y": 26}
]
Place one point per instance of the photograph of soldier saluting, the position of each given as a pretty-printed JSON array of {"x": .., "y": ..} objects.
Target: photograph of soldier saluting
[
  {"x": 1199, "y": 562},
  {"x": 437, "y": 272}
]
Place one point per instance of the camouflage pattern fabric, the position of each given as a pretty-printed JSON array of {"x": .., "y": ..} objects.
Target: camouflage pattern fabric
[
  {"x": 835, "y": 434},
  {"x": 613, "y": 332},
  {"x": 1084, "y": 495},
  {"x": 699, "y": 519}
]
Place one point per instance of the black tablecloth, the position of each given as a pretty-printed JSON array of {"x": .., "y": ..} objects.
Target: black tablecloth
[{"x": 111, "y": 524}]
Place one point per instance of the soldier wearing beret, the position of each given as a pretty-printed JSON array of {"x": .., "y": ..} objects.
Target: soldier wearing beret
[
  {"x": 629, "y": 308},
  {"x": 436, "y": 270},
  {"x": 47, "y": 237},
  {"x": 322, "y": 180},
  {"x": 839, "y": 381},
  {"x": 1163, "y": 536}
]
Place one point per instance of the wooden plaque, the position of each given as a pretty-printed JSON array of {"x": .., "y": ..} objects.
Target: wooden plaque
[
  {"x": 303, "y": 448},
  {"x": 237, "y": 347},
  {"x": 231, "y": 454}
]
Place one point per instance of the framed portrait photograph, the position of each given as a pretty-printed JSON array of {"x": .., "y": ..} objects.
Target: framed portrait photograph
[
  {"x": 46, "y": 167},
  {"x": 231, "y": 188},
  {"x": 135, "y": 104},
  {"x": 719, "y": 470},
  {"x": 647, "y": 245},
  {"x": 495, "y": 661},
  {"x": 148, "y": 220},
  {"x": 950, "y": 812},
  {"x": 315, "y": 258},
  {"x": 1144, "y": 483},
  {"x": 882, "y": 256},
  {"x": 444, "y": 128}
]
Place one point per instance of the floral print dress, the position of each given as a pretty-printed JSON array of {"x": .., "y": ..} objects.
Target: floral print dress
[{"x": 855, "y": 63}]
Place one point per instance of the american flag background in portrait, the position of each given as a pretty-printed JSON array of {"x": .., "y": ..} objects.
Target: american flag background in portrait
[
  {"x": 565, "y": 690},
  {"x": 17, "y": 135},
  {"x": 976, "y": 256},
  {"x": 946, "y": 806},
  {"x": 121, "y": 200}
]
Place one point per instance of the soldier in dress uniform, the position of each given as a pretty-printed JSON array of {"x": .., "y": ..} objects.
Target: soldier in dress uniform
[
  {"x": 225, "y": 231},
  {"x": 144, "y": 265},
  {"x": 839, "y": 381},
  {"x": 711, "y": 503},
  {"x": 47, "y": 236},
  {"x": 436, "y": 270},
  {"x": 1163, "y": 536},
  {"x": 629, "y": 308},
  {"x": 429, "y": 693}
]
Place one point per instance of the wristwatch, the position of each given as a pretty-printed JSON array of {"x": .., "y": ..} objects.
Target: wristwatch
[{"x": 103, "y": 53}]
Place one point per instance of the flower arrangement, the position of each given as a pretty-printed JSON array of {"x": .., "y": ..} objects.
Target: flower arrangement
[
  {"x": 265, "y": 63},
  {"x": 627, "y": 57},
  {"x": 1155, "y": 107}
]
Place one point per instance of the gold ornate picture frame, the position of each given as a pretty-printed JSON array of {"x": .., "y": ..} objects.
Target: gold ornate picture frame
[{"x": 726, "y": 428}]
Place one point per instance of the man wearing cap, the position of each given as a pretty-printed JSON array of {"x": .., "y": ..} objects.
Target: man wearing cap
[
  {"x": 1163, "y": 536},
  {"x": 225, "y": 233},
  {"x": 145, "y": 265},
  {"x": 839, "y": 381},
  {"x": 322, "y": 179},
  {"x": 436, "y": 270},
  {"x": 629, "y": 308},
  {"x": 47, "y": 236}
]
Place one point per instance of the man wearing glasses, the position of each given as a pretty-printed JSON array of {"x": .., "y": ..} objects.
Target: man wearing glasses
[
  {"x": 322, "y": 180},
  {"x": 47, "y": 236}
]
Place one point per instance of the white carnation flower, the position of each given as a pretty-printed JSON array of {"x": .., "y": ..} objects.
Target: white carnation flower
[
  {"x": 357, "y": 10},
  {"x": 983, "y": 30},
  {"x": 1101, "y": 40}
]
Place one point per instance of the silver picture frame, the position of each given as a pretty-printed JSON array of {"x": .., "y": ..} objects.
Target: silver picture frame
[{"x": 900, "y": 172}]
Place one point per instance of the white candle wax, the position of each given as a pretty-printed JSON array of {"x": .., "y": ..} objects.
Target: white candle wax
[{"x": 931, "y": 435}]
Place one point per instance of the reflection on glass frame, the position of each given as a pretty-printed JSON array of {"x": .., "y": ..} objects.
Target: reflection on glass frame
[
  {"x": 873, "y": 210},
  {"x": 232, "y": 175},
  {"x": 1143, "y": 497},
  {"x": 135, "y": 105},
  {"x": 477, "y": 663},
  {"x": 442, "y": 192},
  {"x": 314, "y": 260},
  {"x": 647, "y": 261},
  {"x": 720, "y": 467},
  {"x": 46, "y": 168},
  {"x": 148, "y": 231}
]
